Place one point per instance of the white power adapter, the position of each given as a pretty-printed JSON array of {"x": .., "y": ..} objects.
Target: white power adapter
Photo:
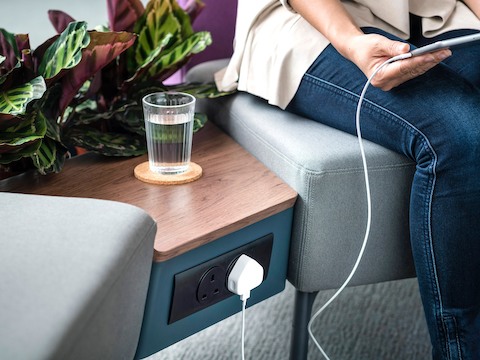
[{"x": 245, "y": 276}]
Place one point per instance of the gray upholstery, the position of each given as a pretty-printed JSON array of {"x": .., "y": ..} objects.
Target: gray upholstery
[
  {"x": 73, "y": 277},
  {"x": 324, "y": 166}
]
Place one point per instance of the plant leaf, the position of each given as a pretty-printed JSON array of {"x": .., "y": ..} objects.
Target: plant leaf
[
  {"x": 15, "y": 101},
  {"x": 9, "y": 76},
  {"x": 49, "y": 157},
  {"x": 184, "y": 20},
  {"x": 59, "y": 20},
  {"x": 142, "y": 69},
  {"x": 103, "y": 48},
  {"x": 23, "y": 42},
  {"x": 22, "y": 140},
  {"x": 122, "y": 14},
  {"x": 66, "y": 51},
  {"x": 157, "y": 23},
  {"x": 31, "y": 128},
  {"x": 8, "y": 120},
  {"x": 173, "y": 59},
  {"x": 88, "y": 113},
  {"x": 9, "y": 49},
  {"x": 106, "y": 143},
  {"x": 200, "y": 90},
  {"x": 199, "y": 121},
  {"x": 9, "y": 154}
]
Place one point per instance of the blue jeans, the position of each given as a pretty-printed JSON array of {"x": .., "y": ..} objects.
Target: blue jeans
[{"x": 434, "y": 120}]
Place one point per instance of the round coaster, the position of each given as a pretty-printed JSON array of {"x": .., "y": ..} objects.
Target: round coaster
[{"x": 143, "y": 173}]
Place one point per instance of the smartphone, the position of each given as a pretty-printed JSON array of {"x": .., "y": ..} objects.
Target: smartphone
[{"x": 445, "y": 44}]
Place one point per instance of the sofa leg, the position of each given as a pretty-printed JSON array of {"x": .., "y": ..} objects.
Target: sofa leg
[{"x": 301, "y": 317}]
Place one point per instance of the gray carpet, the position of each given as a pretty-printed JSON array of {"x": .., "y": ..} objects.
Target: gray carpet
[{"x": 375, "y": 322}]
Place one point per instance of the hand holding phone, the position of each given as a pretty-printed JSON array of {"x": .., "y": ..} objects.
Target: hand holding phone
[{"x": 445, "y": 44}]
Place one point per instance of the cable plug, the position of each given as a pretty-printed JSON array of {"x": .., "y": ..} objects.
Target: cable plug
[{"x": 245, "y": 276}]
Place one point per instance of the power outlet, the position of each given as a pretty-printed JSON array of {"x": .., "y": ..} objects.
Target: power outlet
[
  {"x": 211, "y": 285},
  {"x": 206, "y": 284}
]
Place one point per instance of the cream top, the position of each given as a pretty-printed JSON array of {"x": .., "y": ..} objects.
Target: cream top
[{"x": 274, "y": 46}]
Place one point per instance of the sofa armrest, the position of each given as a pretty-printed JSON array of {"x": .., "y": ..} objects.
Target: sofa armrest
[{"x": 74, "y": 275}]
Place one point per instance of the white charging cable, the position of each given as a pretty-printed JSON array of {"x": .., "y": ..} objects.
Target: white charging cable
[
  {"x": 246, "y": 275},
  {"x": 369, "y": 200}
]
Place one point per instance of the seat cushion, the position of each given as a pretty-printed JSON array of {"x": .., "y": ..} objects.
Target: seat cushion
[
  {"x": 74, "y": 275},
  {"x": 324, "y": 166}
]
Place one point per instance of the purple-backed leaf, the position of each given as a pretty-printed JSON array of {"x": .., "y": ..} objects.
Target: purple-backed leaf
[
  {"x": 23, "y": 45},
  {"x": 104, "y": 47},
  {"x": 8, "y": 48},
  {"x": 8, "y": 120},
  {"x": 23, "y": 42},
  {"x": 122, "y": 14},
  {"x": 59, "y": 19}
]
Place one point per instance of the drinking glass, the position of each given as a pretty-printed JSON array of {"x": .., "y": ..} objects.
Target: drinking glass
[{"x": 169, "y": 131}]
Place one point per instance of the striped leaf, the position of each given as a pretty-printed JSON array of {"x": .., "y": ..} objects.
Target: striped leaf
[
  {"x": 15, "y": 101},
  {"x": 31, "y": 128},
  {"x": 157, "y": 23},
  {"x": 49, "y": 157},
  {"x": 88, "y": 113},
  {"x": 184, "y": 19},
  {"x": 66, "y": 51},
  {"x": 180, "y": 53},
  {"x": 122, "y": 14},
  {"x": 106, "y": 143},
  {"x": 8, "y": 155},
  {"x": 7, "y": 121},
  {"x": 102, "y": 50},
  {"x": 142, "y": 69},
  {"x": 22, "y": 140},
  {"x": 9, "y": 49}
]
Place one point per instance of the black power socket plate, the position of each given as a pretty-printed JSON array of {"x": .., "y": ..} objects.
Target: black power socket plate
[{"x": 206, "y": 284}]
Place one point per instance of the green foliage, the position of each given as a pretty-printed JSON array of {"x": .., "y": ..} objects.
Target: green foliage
[
  {"x": 84, "y": 88},
  {"x": 15, "y": 101},
  {"x": 66, "y": 51}
]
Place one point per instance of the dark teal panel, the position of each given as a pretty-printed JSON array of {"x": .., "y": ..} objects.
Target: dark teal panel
[{"x": 157, "y": 334}]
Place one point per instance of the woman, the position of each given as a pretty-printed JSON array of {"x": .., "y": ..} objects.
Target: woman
[{"x": 312, "y": 57}]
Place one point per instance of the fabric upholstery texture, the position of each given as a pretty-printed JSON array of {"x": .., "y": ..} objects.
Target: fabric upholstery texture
[
  {"x": 74, "y": 275},
  {"x": 324, "y": 166}
]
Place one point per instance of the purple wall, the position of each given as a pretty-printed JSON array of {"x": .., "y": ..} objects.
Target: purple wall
[{"x": 218, "y": 17}]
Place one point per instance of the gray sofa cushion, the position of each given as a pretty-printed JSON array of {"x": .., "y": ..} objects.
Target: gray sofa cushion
[
  {"x": 324, "y": 166},
  {"x": 74, "y": 275}
]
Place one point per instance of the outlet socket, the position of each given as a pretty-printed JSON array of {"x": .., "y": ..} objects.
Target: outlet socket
[
  {"x": 206, "y": 284},
  {"x": 211, "y": 285}
]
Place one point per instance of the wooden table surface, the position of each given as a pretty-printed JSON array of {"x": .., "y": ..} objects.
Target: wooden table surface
[{"x": 235, "y": 191}]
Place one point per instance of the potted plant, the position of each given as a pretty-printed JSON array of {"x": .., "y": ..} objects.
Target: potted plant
[{"x": 84, "y": 87}]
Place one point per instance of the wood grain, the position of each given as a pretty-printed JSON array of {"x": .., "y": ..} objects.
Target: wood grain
[{"x": 235, "y": 191}]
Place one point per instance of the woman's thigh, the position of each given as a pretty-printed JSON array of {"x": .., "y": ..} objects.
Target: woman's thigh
[
  {"x": 438, "y": 107},
  {"x": 435, "y": 120}
]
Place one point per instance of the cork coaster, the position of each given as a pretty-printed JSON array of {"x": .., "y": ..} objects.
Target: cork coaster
[{"x": 143, "y": 173}]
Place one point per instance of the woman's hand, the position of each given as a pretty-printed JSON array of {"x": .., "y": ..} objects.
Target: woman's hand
[{"x": 368, "y": 51}]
